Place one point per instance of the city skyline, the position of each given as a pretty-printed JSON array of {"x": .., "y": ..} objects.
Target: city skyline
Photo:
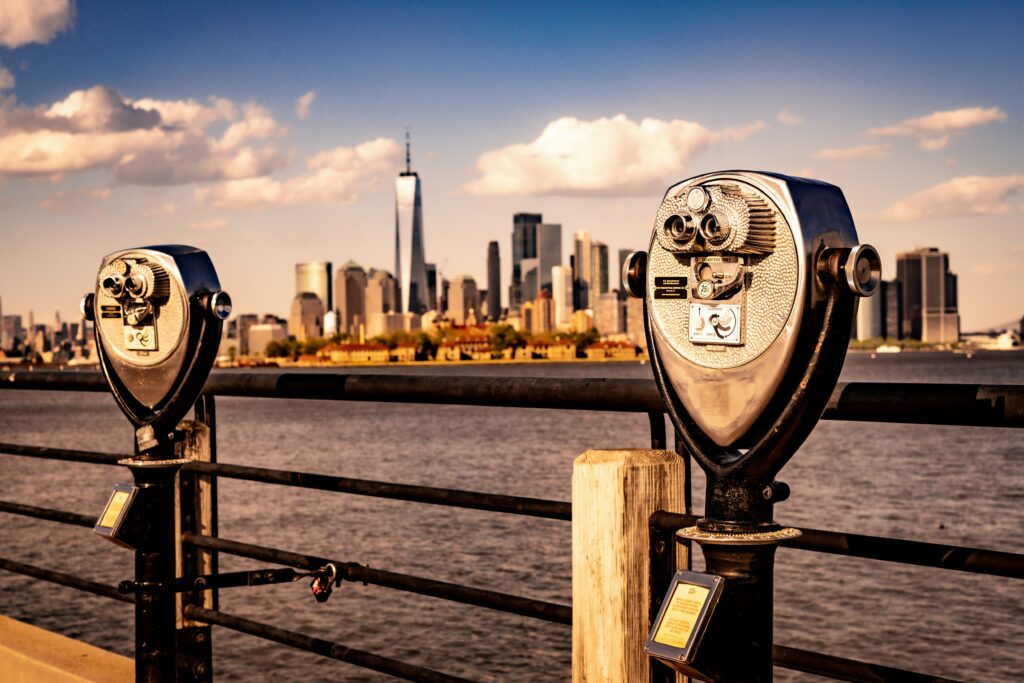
[{"x": 284, "y": 153}]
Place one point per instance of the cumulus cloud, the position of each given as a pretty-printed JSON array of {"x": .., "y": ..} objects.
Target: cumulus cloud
[
  {"x": 6, "y": 79},
  {"x": 853, "y": 153},
  {"x": 335, "y": 176},
  {"x": 961, "y": 196},
  {"x": 33, "y": 21},
  {"x": 148, "y": 141},
  {"x": 934, "y": 131},
  {"x": 788, "y": 118},
  {"x": 304, "y": 104},
  {"x": 608, "y": 156}
]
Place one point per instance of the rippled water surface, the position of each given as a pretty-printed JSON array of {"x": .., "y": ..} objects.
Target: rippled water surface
[{"x": 935, "y": 483}]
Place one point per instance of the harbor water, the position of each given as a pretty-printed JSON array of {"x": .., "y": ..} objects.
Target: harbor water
[{"x": 942, "y": 484}]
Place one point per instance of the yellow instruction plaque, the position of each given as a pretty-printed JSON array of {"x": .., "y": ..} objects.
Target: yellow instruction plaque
[
  {"x": 684, "y": 607},
  {"x": 114, "y": 507}
]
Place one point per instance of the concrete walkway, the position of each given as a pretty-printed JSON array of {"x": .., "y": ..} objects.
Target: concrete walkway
[{"x": 33, "y": 655}]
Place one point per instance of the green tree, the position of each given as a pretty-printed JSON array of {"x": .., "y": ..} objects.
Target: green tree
[{"x": 504, "y": 337}]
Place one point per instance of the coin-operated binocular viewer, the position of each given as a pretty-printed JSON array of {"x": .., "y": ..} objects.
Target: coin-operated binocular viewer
[
  {"x": 158, "y": 313},
  {"x": 749, "y": 289}
]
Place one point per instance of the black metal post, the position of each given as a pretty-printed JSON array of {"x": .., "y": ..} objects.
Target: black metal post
[
  {"x": 743, "y": 615},
  {"x": 155, "y": 649}
]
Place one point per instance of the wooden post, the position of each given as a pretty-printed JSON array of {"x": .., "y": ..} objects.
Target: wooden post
[
  {"x": 195, "y": 514},
  {"x": 613, "y": 496}
]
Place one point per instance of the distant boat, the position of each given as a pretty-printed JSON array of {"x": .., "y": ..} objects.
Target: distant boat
[{"x": 888, "y": 348}]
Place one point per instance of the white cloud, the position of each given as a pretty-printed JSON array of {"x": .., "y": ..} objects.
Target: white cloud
[
  {"x": 607, "y": 156},
  {"x": 33, "y": 21},
  {"x": 335, "y": 176},
  {"x": 933, "y": 131},
  {"x": 961, "y": 196},
  {"x": 6, "y": 79},
  {"x": 304, "y": 104},
  {"x": 211, "y": 225},
  {"x": 853, "y": 153},
  {"x": 788, "y": 118},
  {"x": 148, "y": 142}
]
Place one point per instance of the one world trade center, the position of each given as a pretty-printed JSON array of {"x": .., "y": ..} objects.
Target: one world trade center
[{"x": 409, "y": 261}]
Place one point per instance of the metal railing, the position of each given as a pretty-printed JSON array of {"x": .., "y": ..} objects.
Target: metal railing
[{"x": 960, "y": 404}]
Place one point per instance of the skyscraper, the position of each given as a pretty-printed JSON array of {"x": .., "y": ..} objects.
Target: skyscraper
[
  {"x": 431, "y": 286},
  {"x": 315, "y": 277},
  {"x": 561, "y": 296},
  {"x": 524, "y": 246},
  {"x": 929, "y": 296},
  {"x": 307, "y": 318},
  {"x": 350, "y": 290},
  {"x": 462, "y": 298},
  {"x": 581, "y": 270},
  {"x": 493, "y": 282},
  {"x": 410, "y": 265},
  {"x": 549, "y": 253},
  {"x": 381, "y": 293},
  {"x": 598, "y": 271}
]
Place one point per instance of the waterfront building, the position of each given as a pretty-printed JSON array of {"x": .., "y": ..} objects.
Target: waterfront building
[
  {"x": 307, "y": 318},
  {"x": 261, "y": 334},
  {"x": 609, "y": 314},
  {"x": 381, "y": 324},
  {"x": 561, "y": 296},
  {"x": 13, "y": 332},
  {"x": 330, "y": 324},
  {"x": 549, "y": 253},
  {"x": 350, "y": 295},
  {"x": 610, "y": 350},
  {"x": 524, "y": 246},
  {"x": 582, "y": 320},
  {"x": 463, "y": 299},
  {"x": 410, "y": 264},
  {"x": 526, "y": 317},
  {"x": 555, "y": 349},
  {"x": 431, "y": 286},
  {"x": 929, "y": 296},
  {"x": 493, "y": 282},
  {"x": 245, "y": 322},
  {"x": 581, "y": 273},
  {"x": 543, "y": 315},
  {"x": 315, "y": 277},
  {"x": 890, "y": 293},
  {"x": 869, "y": 317},
  {"x": 354, "y": 353},
  {"x": 381, "y": 293},
  {"x": 598, "y": 270}
]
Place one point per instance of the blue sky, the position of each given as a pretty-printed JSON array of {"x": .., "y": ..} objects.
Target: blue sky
[{"x": 583, "y": 111}]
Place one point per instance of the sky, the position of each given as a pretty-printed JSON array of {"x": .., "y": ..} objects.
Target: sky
[{"x": 270, "y": 133}]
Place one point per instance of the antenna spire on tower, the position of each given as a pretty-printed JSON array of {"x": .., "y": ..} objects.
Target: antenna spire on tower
[{"x": 408, "y": 165}]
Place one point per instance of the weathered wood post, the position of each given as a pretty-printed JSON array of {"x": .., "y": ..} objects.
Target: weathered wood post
[
  {"x": 195, "y": 514},
  {"x": 614, "y": 494}
]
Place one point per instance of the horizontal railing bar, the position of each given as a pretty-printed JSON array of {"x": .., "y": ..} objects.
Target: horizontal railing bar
[
  {"x": 960, "y": 558},
  {"x": 840, "y": 669},
  {"x": 326, "y": 648},
  {"x": 47, "y": 513},
  {"x": 358, "y": 573},
  {"x": 491, "y": 502},
  {"x": 980, "y": 405},
  {"x": 65, "y": 580},
  {"x": 93, "y": 457}
]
